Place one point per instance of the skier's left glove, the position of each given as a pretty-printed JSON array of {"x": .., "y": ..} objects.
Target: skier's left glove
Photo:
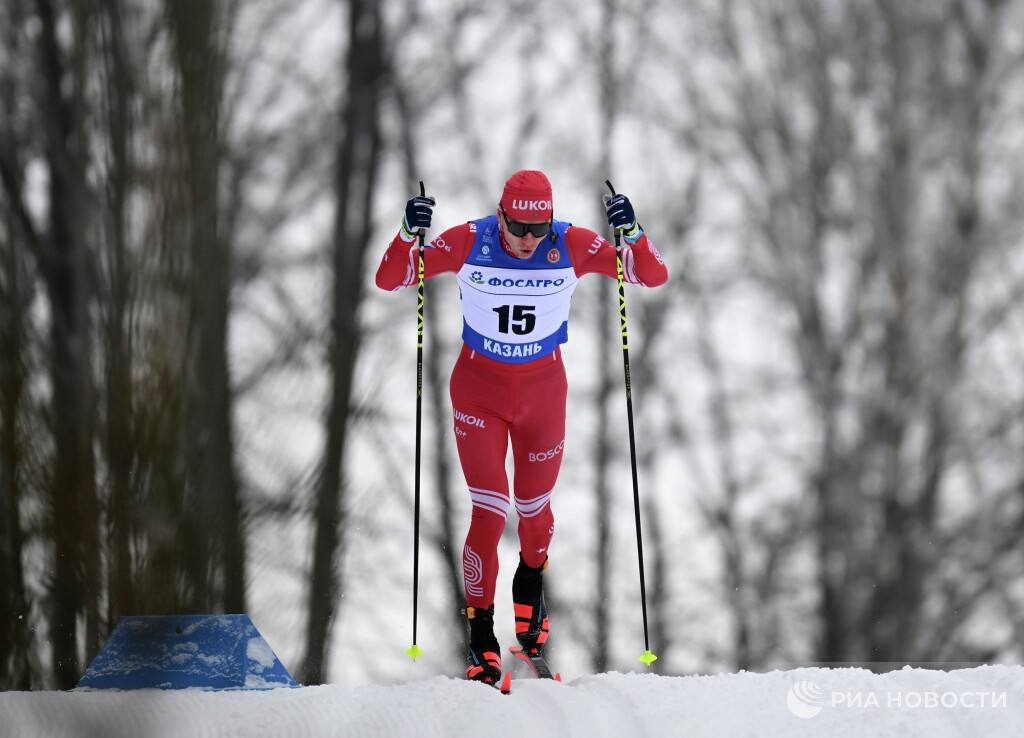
[{"x": 621, "y": 216}]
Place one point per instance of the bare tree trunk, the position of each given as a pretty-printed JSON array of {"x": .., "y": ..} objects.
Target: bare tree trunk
[
  {"x": 357, "y": 160},
  {"x": 92, "y": 578},
  {"x": 216, "y": 514},
  {"x": 662, "y": 623},
  {"x": 723, "y": 513},
  {"x": 15, "y": 293},
  {"x": 64, "y": 254},
  {"x": 14, "y": 643},
  {"x": 896, "y": 607},
  {"x": 121, "y": 444},
  {"x": 600, "y": 654},
  {"x": 14, "y": 615}
]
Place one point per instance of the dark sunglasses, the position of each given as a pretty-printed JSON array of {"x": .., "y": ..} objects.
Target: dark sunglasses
[{"x": 519, "y": 230}]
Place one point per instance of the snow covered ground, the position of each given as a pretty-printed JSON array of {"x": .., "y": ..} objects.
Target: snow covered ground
[{"x": 985, "y": 701}]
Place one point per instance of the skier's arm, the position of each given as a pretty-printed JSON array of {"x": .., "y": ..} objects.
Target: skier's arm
[
  {"x": 446, "y": 253},
  {"x": 641, "y": 262}
]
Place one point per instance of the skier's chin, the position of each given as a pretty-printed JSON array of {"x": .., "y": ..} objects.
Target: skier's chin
[{"x": 526, "y": 253}]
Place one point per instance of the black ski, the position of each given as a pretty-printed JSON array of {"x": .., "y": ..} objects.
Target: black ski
[{"x": 536, "y": 661}]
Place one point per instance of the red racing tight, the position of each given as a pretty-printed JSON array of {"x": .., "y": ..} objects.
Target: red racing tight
[{"x": 492, "y": 402}]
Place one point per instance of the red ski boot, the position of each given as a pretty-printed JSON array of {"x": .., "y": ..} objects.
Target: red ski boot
[
  {"x": 528, "y": 600},
  {"x": 483, "y": 663}
]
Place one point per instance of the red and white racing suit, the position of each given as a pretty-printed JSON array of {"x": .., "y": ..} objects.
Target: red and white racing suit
[{"x": 509, "y": 381}]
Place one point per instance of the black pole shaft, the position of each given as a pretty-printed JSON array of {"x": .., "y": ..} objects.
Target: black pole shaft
[
  {"x": 629, "y": 416},
  {"x": 419, "y": 430}
]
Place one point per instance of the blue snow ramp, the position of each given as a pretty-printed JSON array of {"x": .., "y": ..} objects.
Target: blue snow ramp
[{"x": 182, "y": 651}]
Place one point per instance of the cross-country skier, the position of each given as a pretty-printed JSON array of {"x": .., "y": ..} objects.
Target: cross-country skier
[{"x": 517, "y": 270}]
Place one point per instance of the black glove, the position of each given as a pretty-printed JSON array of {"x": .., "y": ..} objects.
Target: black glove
[
  {"x": 418, "y": 212},
  {"x": 620, "y": 212}
]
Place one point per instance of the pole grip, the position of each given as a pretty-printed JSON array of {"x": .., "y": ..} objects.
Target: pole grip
[{"x": 422, "y": 235}]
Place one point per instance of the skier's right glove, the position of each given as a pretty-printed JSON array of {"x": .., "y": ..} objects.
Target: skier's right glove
[{"x": 418, "y": 212}]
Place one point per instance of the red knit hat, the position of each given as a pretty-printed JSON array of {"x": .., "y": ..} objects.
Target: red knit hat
[{"x": 527, "y": 196}]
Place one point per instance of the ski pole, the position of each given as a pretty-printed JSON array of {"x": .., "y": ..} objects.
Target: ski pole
[
  {"x": 647, "y": 657},
  {"x": 414, "y": 650}
]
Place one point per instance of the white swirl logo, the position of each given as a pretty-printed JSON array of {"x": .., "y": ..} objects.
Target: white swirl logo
[
  {"x": 805, "y": 699},
  {"x": 473, "y": 572}
]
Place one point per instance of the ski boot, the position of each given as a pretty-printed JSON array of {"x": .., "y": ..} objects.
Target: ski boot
[
  {"x": 528, "y": 601},
  {"x": 484, "y": 659}
]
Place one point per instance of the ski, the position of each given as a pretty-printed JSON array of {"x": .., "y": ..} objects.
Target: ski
[
  {"x": 504, "y": 685},
  {"x": 536, "y": 662}
]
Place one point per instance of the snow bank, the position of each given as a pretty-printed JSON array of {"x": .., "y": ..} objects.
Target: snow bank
[{"x": 985, "y": 701}]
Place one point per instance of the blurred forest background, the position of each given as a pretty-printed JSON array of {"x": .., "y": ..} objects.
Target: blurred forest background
[{"x": 206, "y": 406}]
